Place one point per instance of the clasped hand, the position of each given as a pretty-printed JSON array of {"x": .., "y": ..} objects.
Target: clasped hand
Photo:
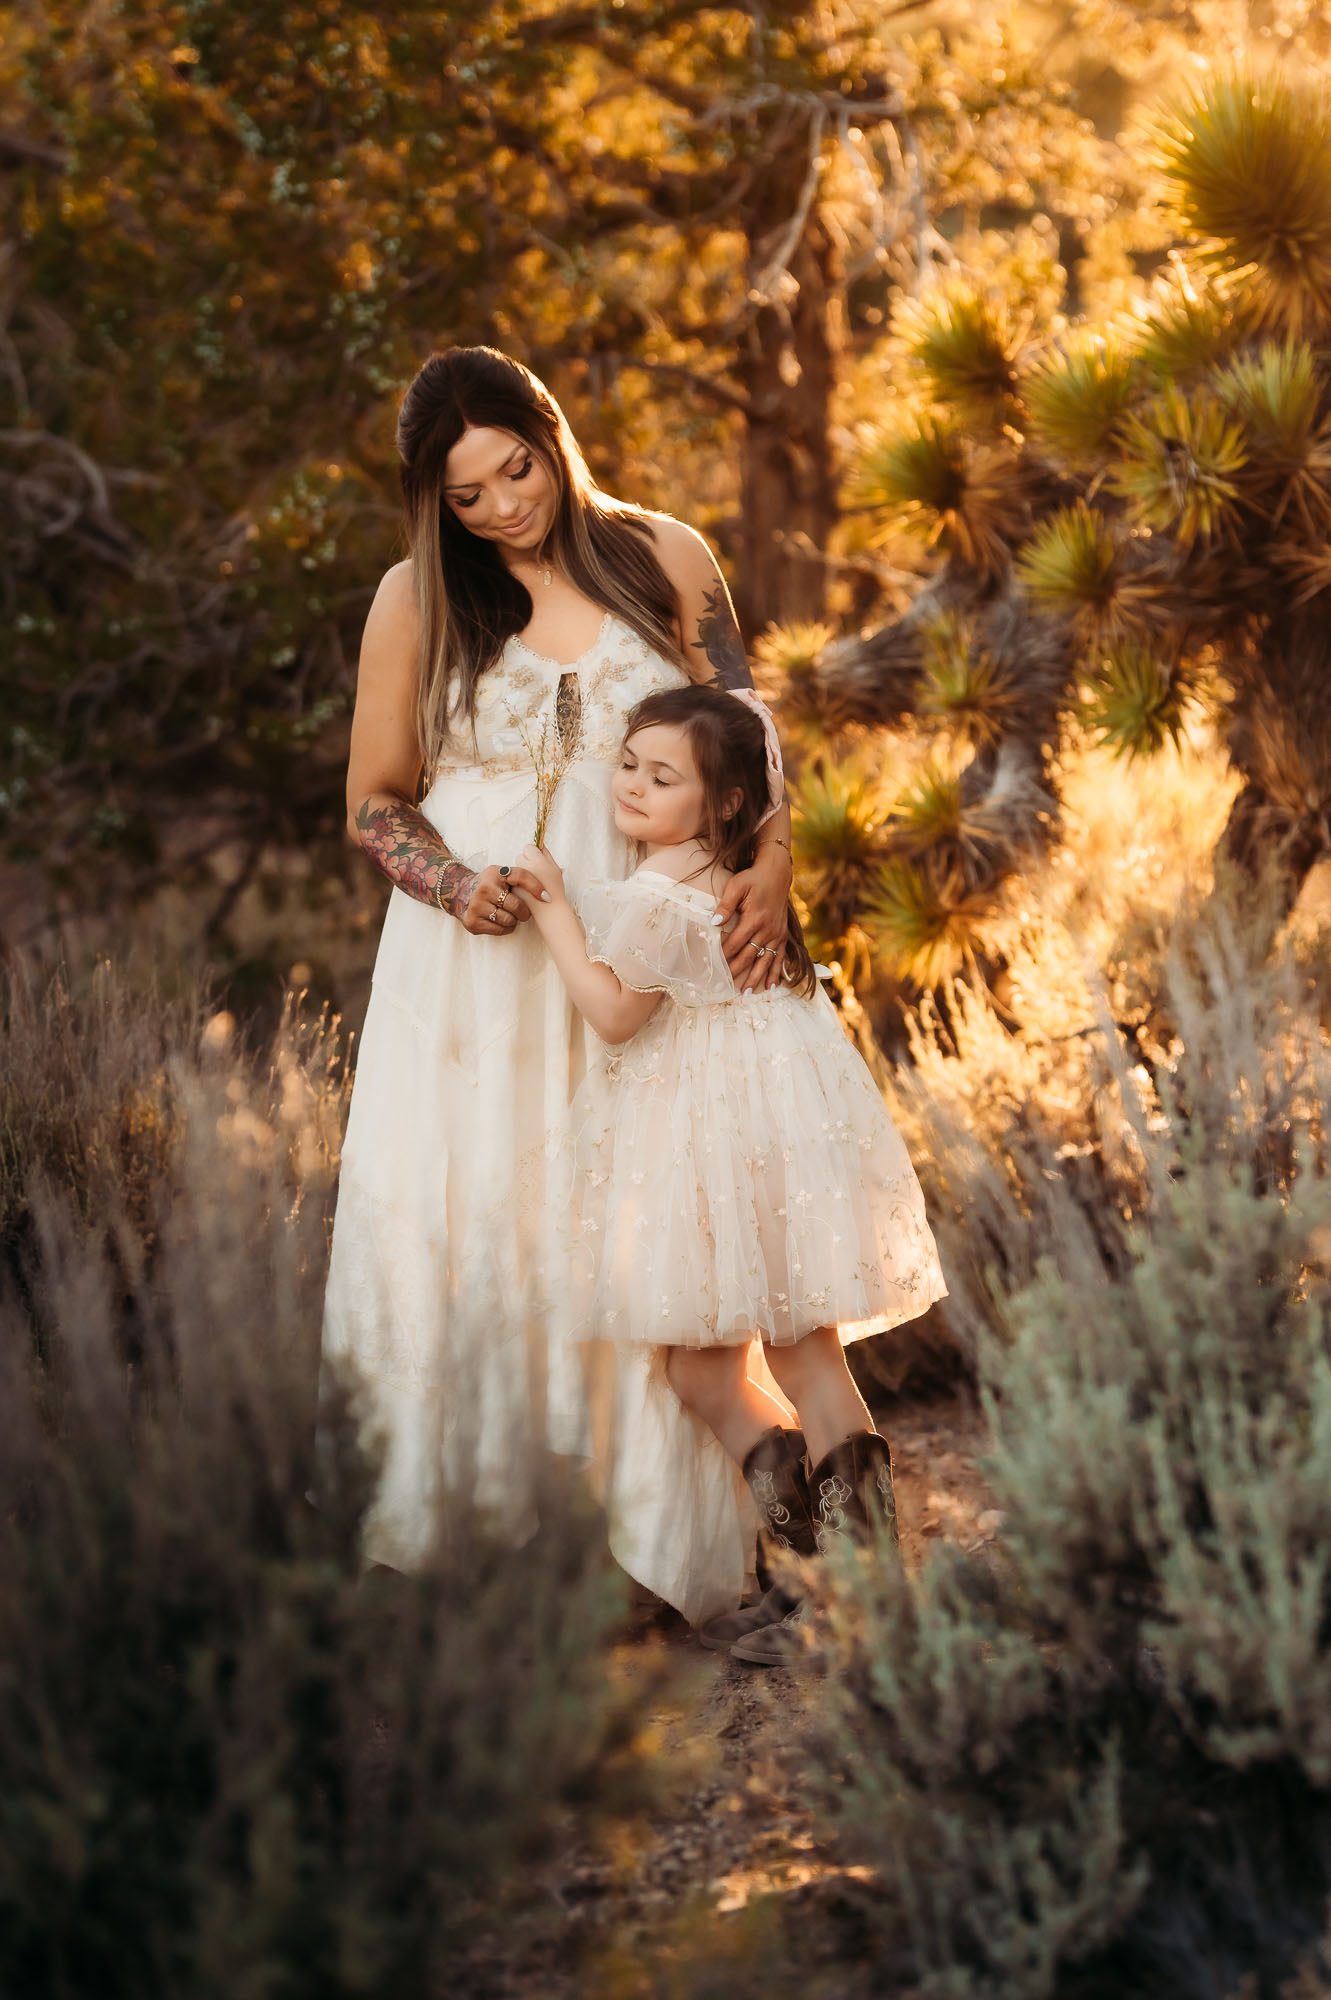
[
  {"x": 499, "y": 901},
  {"x": 752, "y": 913}
]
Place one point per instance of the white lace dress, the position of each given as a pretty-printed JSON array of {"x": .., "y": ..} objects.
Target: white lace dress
[
  {"x": 733, "y": 1170},
  {"x": 467, "y": 1067}
]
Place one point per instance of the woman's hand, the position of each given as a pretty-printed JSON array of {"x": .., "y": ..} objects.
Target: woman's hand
[
  {"x": 758, "y": 900},
  {"x": 546, "y": 872},
  {"x": 494, "y": 908}
]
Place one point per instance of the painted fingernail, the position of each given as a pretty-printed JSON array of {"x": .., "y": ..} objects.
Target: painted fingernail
[
  {"x": 545, "y": 895},
  {"x": 718, "y": 918}
]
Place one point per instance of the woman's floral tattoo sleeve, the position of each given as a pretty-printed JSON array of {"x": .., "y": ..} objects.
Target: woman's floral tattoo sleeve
[
  {"x": 720, "y": 639},
  {"x": 402, "y": 843}
]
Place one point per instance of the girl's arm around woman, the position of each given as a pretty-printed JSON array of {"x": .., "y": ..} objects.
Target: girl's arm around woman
[{"x": 611, "y": 1009}]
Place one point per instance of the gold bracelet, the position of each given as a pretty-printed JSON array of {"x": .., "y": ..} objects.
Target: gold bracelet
[{"x": 775, "y": 841}]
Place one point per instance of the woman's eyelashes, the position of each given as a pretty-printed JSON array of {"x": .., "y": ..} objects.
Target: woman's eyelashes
[{"x": 521, "y": 473}]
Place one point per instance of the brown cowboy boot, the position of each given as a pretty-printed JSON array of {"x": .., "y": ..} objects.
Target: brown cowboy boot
[
  {"x": 851, "y": 1489},
  {"x": 774, "y": 1473}
]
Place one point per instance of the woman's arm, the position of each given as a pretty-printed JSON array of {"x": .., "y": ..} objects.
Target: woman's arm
[
  {"x": 612, "y": 1010},
  {"x": 708, "y": 628},
  {"x": 714, "y": 651},
  {"x": 384, "y": 766}
]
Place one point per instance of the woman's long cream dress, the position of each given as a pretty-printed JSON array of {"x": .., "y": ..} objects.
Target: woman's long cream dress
[{"x": 468, "y": 1064}]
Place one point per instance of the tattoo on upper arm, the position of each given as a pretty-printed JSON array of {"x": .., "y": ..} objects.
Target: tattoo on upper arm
[
  {"x": 719, "y": 637},
  {"x": 405, "y": 847}
]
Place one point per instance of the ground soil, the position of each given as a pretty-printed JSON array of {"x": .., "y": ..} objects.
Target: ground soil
[{"x": 654, "y": 1916}]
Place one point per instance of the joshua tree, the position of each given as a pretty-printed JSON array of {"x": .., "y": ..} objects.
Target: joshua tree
[{"x": 1131, "y": 519}]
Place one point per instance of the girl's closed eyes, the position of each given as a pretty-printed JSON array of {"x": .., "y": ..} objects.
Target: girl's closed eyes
[{"x": 657, "y": 779}]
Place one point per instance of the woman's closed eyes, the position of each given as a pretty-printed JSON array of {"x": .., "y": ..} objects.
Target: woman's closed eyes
[{"x": 521, "y": 473}]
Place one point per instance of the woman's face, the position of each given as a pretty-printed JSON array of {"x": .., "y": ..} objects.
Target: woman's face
[
  {"x": 499, "y": 490},
  {"x": 657, "y": 793}
]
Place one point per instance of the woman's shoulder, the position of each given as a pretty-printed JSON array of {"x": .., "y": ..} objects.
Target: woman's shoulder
[
  {"x": 394, "y": 603},
  {"x": 683, "y": 553}
]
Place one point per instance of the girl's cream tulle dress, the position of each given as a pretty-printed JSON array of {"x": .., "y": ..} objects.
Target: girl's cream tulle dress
[
  {"x": 467, "y": 1068},
  {"x": 733, "y": 1168}
]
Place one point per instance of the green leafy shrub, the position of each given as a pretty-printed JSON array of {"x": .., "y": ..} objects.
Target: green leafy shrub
[
  {"x": 230, "y": 1762},
  {"x": 1101, "y": 1763}
]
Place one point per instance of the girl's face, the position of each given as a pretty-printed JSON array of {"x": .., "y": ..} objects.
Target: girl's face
[
  {"x": 500, "y": 490},
  {"x": 657, "y": 793}
]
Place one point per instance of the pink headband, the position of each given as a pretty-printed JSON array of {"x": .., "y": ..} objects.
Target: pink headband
[{"x": 776, "y": 777}]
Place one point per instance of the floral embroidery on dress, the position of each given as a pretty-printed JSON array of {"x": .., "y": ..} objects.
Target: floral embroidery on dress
[
  {"x": 523, "y": 687},
  {"x": 748, "y": 1178}
]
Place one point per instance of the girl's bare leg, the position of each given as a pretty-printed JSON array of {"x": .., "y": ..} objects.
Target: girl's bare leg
[
  {"x": 714, "y": 1383},
  {"x": 813, "y": 1373}
]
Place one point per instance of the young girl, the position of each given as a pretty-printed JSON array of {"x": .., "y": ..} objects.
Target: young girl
[{"x": 736, "y": 1174}]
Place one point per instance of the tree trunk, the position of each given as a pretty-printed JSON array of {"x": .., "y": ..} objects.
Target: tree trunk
[{"x": 788, "y": 370}]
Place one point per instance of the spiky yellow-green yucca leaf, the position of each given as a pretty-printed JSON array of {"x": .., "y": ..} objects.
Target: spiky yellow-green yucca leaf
[
  {"x": 1247, "y": 166},
  {"x": 918, "y": 471},
  {"x": 794, "y": 648},
  {"x": 1178, "y": 465},
  {"x": 1189, "y": 325},
  {"x": 1075, "y": 400},
  {"x": 923, "y": 924},
  {"x": 1275, "y": 392},
  {"x": 929, "y": 810},
  {"x": 837, "y": 815},
  {"x": 926, "y": 477},
  {"x": 786, "y": 674},
  {"x": 1136, "y": 702},
  {"x": 1276, "y": 395},
  {"x": 961, "y": 684},
  {"x": 1072, "y": 568},
  {"x": 965, "y": 345}
]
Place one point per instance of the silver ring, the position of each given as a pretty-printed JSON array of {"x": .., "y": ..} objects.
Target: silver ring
[
  {"x": 494, "y": 916},
  {"x": 761, "y": 949}
]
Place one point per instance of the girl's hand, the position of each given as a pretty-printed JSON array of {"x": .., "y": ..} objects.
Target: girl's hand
[
  {"x": 539, "y": 863},
  {"x": 496, "y": 904},
  {"x": 758, "y": 900}
]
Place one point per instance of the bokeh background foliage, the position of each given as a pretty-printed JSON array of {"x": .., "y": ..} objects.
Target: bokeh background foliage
[
  {"x": 231, "y": 234},
  {"x": 988, "y": 346}
]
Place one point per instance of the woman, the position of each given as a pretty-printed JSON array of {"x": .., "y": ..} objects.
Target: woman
[{"x": 533, "y": 612}]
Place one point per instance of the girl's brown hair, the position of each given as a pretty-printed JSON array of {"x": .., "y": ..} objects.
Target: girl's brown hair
[
  {"x": 730, "y": 751},
  {"x": 468, "y": 601}
]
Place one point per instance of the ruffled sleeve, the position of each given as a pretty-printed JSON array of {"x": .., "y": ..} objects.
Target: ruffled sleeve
[{"x": 658, "y": 936}]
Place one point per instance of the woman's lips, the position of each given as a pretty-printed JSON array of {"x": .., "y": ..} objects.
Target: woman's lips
[{"x": 518, "y": 526}]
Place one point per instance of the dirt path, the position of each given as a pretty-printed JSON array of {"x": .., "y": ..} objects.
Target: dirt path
[{"x": 731, "y": 1827}]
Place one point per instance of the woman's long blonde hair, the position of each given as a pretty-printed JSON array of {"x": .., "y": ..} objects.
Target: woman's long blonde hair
[{"x": 468, "y": 602}]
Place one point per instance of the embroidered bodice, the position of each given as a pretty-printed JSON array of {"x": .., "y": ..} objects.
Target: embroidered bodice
[{"x": 579, "y": 704}]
